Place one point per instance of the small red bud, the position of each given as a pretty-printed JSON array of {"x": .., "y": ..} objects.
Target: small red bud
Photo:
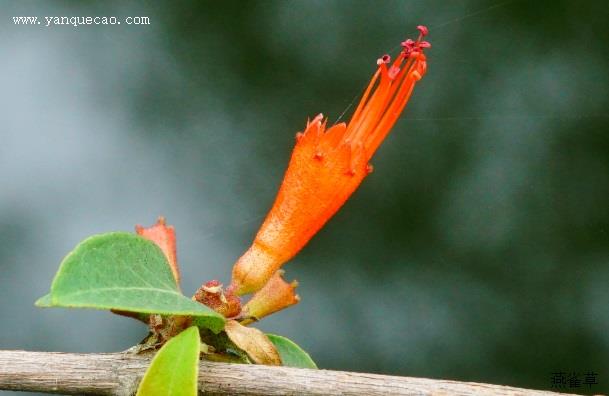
[{"x": 212, "y": 295}]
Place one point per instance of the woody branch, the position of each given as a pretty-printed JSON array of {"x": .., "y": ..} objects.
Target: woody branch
[{"x": 119, "y": 373}]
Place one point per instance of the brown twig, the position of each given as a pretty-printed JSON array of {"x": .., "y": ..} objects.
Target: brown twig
[{"x": 119, "y": 373}]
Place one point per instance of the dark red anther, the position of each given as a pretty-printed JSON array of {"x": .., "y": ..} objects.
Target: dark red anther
[
  {"x": 423, "y": 29},
  {"x": 408, "y": 43},
  {"x": 383, "y": 59},
  {"x": 424, "y": 44}
]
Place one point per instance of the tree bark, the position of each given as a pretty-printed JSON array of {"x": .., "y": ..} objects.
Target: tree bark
[{"x": 119, "y": 373}]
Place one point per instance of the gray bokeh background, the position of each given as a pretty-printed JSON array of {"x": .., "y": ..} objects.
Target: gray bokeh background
[{"x": 477, "y": 250}]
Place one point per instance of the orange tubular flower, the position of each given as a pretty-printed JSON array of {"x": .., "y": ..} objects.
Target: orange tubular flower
[{"x": 327, "y": 166}]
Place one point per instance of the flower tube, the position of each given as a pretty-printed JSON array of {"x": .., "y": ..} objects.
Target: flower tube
[{"x": 327, "y": 165}]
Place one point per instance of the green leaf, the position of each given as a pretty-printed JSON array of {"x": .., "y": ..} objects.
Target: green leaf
[
  {"x": 125, "y": 272},
  {"x": 44, "y": 301},
  {"x": 174, "y": 369},
  {"x": 291, "y": 354}
]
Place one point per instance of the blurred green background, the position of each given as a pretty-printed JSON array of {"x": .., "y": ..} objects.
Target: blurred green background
[{"x": 478, "y": 249}]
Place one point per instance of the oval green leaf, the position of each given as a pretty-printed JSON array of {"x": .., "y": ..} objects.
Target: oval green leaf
[
  {"x": 125, "y": 272},
  {"x": 174, "y": 369},
  {"x": 291, "y": 354}
]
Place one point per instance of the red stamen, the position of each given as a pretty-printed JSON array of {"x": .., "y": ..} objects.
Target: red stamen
[
  {"x": 383, "y": 59},
  {"x": 408, "y": 43}
]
